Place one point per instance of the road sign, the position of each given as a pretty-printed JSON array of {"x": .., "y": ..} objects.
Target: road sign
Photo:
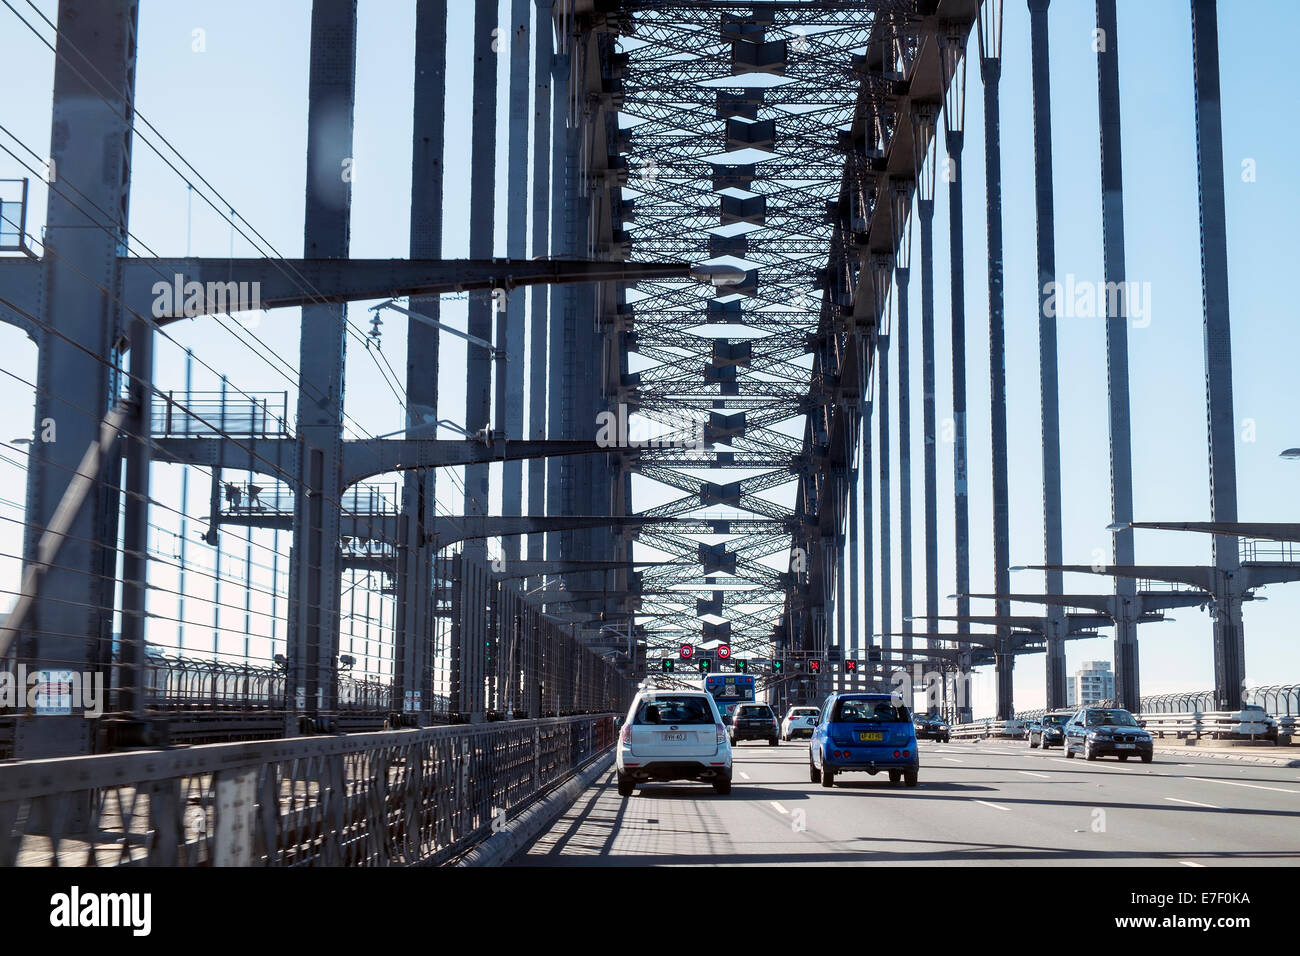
[
  {"x": 686, "y": 651},
  {"x": 724, "y": 651}
]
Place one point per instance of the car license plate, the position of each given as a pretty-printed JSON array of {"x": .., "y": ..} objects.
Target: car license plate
[
  {"x": 1126, "y": 746},
  {"x": 674, "y": 737},
  {"x": 871, "y": 736}
]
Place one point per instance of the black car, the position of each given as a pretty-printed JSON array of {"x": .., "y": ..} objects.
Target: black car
[
  {"x": 755, "y": 722},
  {"x": 931, "y": 727},
  {"x": 1107, "y": 732},
  {"x": 1049, "y": 731}
]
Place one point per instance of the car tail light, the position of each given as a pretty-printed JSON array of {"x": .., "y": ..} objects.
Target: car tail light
[
  {"x": 907, "y": 753},
  {"x": 626, "y": 736},
  {"x": 722, "y": 732},
  {"x": 897, "y": 754}
]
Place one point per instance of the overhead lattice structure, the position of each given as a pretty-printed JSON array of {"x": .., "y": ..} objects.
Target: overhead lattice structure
[{"x": 734, "y": 120}]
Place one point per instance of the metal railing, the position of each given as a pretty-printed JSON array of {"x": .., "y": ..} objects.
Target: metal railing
[
  {"x": 394, "y": 798},
  {"x": 1196, "y": 724},
  {"x": 204, "y": 414}
]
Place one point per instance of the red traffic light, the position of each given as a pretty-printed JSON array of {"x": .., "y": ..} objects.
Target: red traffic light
[
  {"x": 724, "y": 651},
  {"x": 686, "y": 651},
  {"x": 814, "y": 666},
  {"x": 850, "y": 665}
]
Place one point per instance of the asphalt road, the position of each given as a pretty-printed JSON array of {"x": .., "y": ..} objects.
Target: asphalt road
[{"x": 988, "y": 803}]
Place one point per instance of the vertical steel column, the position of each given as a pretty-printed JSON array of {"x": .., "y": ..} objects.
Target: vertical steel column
[
  {"x": 482, "y": 223},
  {"x": 1047, "y": 351},
  {"x": 886, "y": 498},
  {"x": 516, "y": 248},
  {"x": 899, "y": 194},
  {"x": 70, "y": 621},
  {"x": 953, "y": 59},
  {"x": 925, "y": 159},
  {"x": 537, "y": 372},
  {"x": 1127, "y": 690},
  {"x": 316, "y": 569},
  {"x": 413, "y": 670},
  {"x": 990, "y": 42},
  {"x": 868, "y": 529},
  {"x": 854, "y": 625},
  {"x": 558, "y": 419},
  {"x": 1229, "y": 639},
  {"x": 135, "y": 534}
]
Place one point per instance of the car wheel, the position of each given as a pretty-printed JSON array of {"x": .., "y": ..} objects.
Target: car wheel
[
  {"x": 1032, "y": 745},
  {"x": 1146, "y": 758},
  {"x": 895, "y": 776},
  {"x": 626, "y": 786},
  {"x": 814, "y": 775},
  {"x": 1069, "y": 754},
  {"x": 773, "y": 742},
  {"x": 722, "y": 787},
  {"x": 910, "y": 777},
  {"x": 1123, "y": 758},
  {"x": 1088, "y": 752},
  {"x": 828, "y": 777},
  {"x": 733, "y": 741}
]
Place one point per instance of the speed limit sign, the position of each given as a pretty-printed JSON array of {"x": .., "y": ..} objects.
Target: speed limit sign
[{"x": 686, "y": 651}]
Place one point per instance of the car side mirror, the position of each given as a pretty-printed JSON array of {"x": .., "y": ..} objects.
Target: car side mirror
[
  {"x": 618, "y": 722},
  {"x": 1142, "y": 723}
]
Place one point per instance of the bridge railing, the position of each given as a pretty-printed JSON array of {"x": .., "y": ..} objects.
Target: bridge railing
[{"x": 395, "y": 798}]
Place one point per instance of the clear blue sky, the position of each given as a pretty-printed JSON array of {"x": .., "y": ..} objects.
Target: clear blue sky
[{"x": 237, "y": 111}]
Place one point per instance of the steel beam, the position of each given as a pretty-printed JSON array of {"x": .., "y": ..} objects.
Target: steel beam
[
  {"x": 1127, "y": 688},
  {"x": 80, "y": 345},
  {"x": 1229, "y": 638},
  {"x": 315, "y": 571}
]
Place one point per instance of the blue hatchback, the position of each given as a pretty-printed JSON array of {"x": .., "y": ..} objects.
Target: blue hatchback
[{"x": 870, "y": 732}]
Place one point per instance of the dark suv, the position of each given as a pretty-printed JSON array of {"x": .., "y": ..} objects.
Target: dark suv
[
  {"x": 1049, "y": 731},
  {"x": 755, "y": 722},
  {"x": 931, "y": 727}
]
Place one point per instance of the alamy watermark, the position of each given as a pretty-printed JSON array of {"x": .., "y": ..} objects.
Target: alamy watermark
[
  {"x": 53, "y": 691},
  {"x": 1074, "y": 299},
  {"x": 180, "y": 298},
  {"x": 617, "y": 429}
]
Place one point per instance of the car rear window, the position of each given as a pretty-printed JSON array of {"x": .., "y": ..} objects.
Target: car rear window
[
  {"x": 752, "y": 712},
  {"x": 675, "y": 710},
  {"x": 866, "y": 710}
]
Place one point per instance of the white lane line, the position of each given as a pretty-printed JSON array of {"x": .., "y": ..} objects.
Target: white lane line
[
  {"x": 1030, "y": 773},
  {"x": 1193, "y": 803},
  {"x": 953, "y": 760},
  {"x": 993, "y": 805},
  {"x": 745, "y": 775},
  {"x": 1061, "y": 760},
  {"x": 779, "y": 808},
  {"x": 1190, "y": 863},
  {"x": 1238, "y": 783}
]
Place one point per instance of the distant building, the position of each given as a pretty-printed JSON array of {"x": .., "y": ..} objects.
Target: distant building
[{"x": 1092, "y": 683}]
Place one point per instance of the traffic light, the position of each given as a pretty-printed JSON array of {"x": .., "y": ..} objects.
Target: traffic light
[
  {"x": 668, "y": 664},
  {"x": 704, "y": 664},
  {"x": 778, "y": 665},
  {"x": 850, "y": 665},
  {"x": 873, "y": 654},
  {"x": 741, "y": 665},
  {"x": 814, "y": 666}
]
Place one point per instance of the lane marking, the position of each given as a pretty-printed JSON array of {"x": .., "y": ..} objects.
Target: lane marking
[
  {"x": 953, "y": 759},
  {"x": 780, "y": 809},
  {"x": 745, "y": 775},
  {"x": 993, "y": 805},
  {"x": 1190, "y": 863},
  {"x": 1061, "y": 760},
  {"x": 1193, "y": 803},
  {"x": 1030, "y": 773},
  {"x": 1238, "y": 783}
]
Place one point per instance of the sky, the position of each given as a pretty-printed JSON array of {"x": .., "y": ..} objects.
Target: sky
[{"x": 227, "y": 85}]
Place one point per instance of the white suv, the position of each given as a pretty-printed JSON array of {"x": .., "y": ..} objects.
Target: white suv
[{"x": 673, "y": 735}]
